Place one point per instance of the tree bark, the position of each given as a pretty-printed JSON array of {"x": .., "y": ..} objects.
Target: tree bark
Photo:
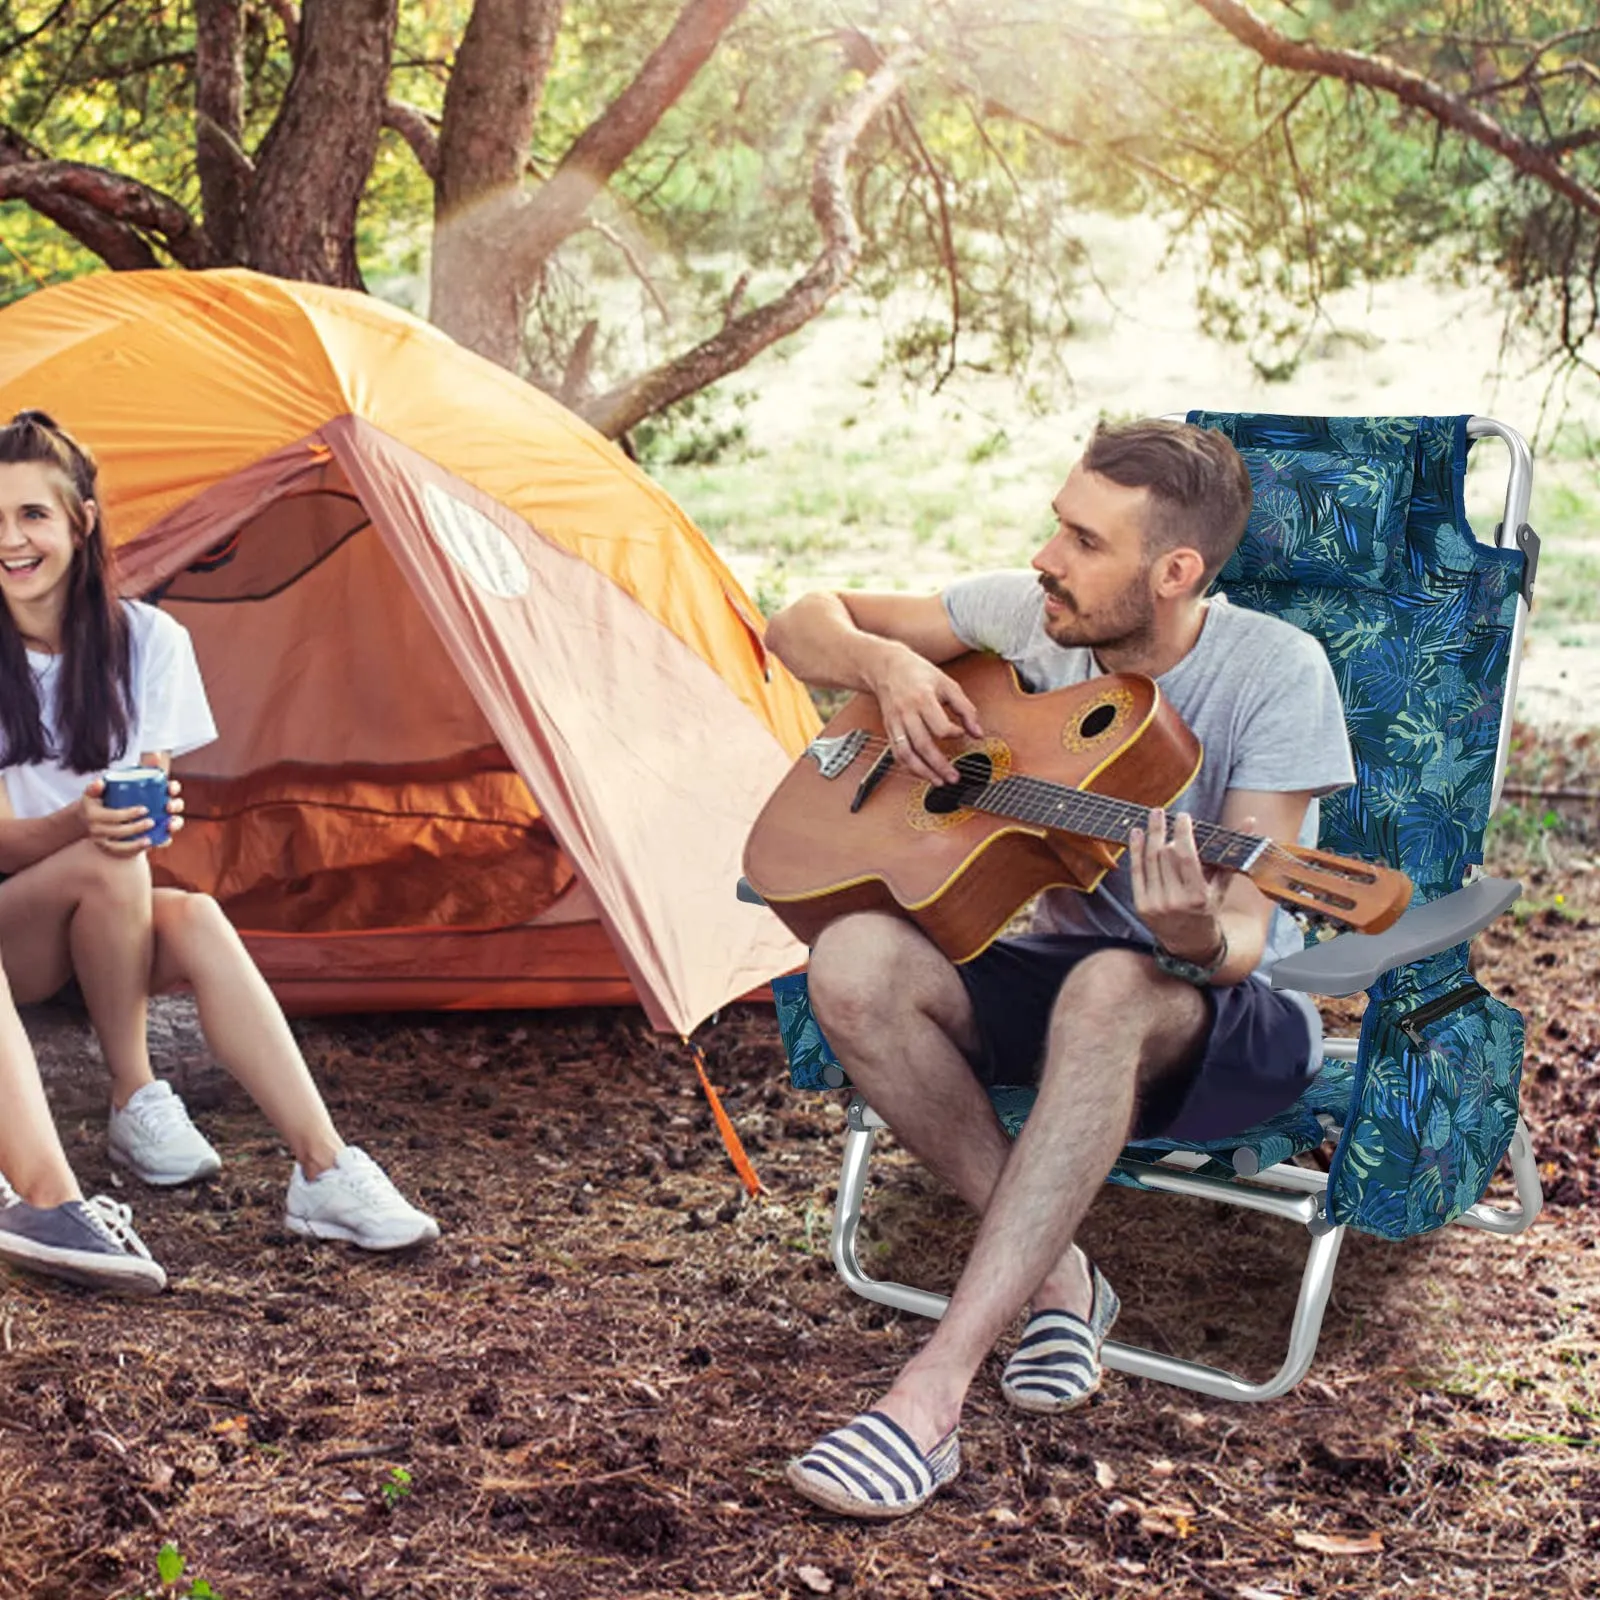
[
  {"x": 1379, "y": 72},
  {"x": 120, "y": 246},
  {"x": 744, "y": 337},
  {"x": 491, "y": 239},
  {"x": 413, "y": 126},
  {"x": 494, "y": 91},
  {"x": 220, "y": 162},
  {"x": 108, "y": 213},
  {"x": 557, "y": 210},
  {"x": 484, "y": 140},
  {"x": 314, "y": 164}
]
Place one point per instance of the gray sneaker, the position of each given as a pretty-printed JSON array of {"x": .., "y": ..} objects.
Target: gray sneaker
[{"x": 88, "y": 1242}]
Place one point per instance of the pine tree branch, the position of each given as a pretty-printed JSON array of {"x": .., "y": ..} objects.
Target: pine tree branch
[
  {"x": 556, "y": 211},
  {"x": 744, "y": 337},
  {"x": 1410, "y": 88},
  {"x": 107, "y": 213},
  {"x": 413, "y": 126}
]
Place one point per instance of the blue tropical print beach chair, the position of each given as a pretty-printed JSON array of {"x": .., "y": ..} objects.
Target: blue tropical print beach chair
[{"x": 1358, "y": 536}]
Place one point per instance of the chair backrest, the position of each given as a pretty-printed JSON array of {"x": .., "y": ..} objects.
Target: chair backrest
[{"x": 1359, "y": 537}]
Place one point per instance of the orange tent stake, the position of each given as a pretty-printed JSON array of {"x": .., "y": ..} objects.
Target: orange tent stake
[{"x": 730, "y": 1136}]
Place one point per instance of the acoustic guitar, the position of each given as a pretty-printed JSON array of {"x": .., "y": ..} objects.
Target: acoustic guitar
[{"x": 1046, "y": 798}]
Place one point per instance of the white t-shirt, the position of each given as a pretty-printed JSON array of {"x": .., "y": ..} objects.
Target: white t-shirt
[{"x": 170, "y": 711}]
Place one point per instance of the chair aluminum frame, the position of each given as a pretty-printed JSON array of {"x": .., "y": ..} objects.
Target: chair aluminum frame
[{"x": 1286, "y": 1190}]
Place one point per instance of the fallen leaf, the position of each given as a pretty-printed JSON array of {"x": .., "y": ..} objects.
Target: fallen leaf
[
  {"x": 815, "y": 1579},
  {"x": 1104, "y": 1475},
  {"x": 1004, "y": 1515},
  {"x": 1340, "y": 1544},
  {"x": 1162, "y": 1469},
  {"x": 1246, "y": 1592},
  {"x": 231, "y": 1425}
]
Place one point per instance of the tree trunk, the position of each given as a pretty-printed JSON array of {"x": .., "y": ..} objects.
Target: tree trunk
[
  {"x": 219, "y": 157},
  {"x": 314, "y": 164},
  {"x": 489, "y": 107},
  {"x": 491, "y": 239}
]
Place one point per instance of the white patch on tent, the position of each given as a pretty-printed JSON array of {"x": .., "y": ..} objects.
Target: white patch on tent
[{"x": 475, "y": 544}]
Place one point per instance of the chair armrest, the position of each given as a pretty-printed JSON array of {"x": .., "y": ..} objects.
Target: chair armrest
[
  {"x": 1353, "y": 961},
  {"x": 746, "y": 892}
]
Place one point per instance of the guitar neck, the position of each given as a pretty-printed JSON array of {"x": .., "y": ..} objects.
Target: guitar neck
[{"x": 1054, "y": 805}]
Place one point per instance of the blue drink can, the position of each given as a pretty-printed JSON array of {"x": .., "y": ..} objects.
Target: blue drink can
[{"x": 140, "y": 786}]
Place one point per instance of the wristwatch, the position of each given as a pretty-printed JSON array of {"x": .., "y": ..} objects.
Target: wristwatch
[{"x": 1195, "y": 972}]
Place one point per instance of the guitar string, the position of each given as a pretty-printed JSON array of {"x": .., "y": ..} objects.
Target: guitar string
[{"x": 1105, "y": 809}]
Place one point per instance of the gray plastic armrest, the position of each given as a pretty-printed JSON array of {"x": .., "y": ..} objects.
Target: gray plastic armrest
[
  {"x": 1353, "y": 961},
  {"x": 747, "y": 893}
]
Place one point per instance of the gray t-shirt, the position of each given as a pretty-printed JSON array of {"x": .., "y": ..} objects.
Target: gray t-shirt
[{"x": 1256, "y": 692}]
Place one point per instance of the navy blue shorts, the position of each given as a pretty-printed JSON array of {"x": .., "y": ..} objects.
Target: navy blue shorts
[{"x": 1256, "y": 1060}]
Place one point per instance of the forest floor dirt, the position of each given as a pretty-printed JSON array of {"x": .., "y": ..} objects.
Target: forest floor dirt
[{"x": 591, "y": 1384}]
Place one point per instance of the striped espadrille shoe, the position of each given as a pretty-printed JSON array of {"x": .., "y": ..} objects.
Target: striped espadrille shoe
[
  {"x": 872, "y": 1468},
  {"x": 1057, "y": 1365}
]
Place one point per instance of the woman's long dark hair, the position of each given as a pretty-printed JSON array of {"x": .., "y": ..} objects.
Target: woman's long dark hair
[{"x": 95, "y": 696}]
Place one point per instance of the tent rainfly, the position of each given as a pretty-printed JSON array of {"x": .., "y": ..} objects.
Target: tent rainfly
[{"x": 495, "y": 719}]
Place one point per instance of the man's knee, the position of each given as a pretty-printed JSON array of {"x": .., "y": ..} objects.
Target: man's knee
[
  {"x": 869, "y": 968},
  {"x": 1109, "y": 979},
  {"x": 853, "y": 964},
  {"x": 1120, "y": 994}
]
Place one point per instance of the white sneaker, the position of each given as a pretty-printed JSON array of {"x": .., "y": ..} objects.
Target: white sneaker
[
  {"x": 355, "y": 1201},
  {"x": 153, "y": 1137}
]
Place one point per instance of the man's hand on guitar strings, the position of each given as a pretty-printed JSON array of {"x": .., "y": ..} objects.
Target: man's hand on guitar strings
[
  {"x": 920, "y": 706},
  {"x": 1177, "y": 896}
]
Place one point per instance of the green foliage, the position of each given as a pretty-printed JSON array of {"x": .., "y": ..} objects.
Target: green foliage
[
  {"x": 395, "y": 1487},
  {"x": 170, "y": 1568},
  {"x": 1014, "y": 118},
  {"x": 697, "y": 432}
]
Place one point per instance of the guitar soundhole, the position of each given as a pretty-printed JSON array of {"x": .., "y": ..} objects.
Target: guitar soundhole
[
  {"x": 1097, "y": 722},
  {"x": 976, "y": 771}
]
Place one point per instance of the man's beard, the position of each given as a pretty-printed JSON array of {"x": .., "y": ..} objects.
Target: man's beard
[{"x": 1127, "y": 621}]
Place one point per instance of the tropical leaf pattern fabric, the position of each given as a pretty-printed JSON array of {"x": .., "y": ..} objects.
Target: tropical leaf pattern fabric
[
  {"x": 1420, "y": 644},
  {"x": 812, "y": 1063},
  {"x": 1359, "y": 537}
]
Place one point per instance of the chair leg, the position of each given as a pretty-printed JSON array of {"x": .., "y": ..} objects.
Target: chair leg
[
  {"x": 1530, "y": 1192},
  {"x": 1316, "y": 1283},
  {"x": 847, "y": 1218}
]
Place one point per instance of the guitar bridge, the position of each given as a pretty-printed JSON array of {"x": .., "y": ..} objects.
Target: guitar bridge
[{"x": 833, "y": 756}]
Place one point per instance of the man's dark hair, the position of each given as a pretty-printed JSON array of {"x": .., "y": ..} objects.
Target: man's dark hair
[{"x": 1199, "y": 489}]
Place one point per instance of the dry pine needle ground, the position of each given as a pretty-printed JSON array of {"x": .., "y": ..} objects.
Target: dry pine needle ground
[{"x": 590, "y": 1386}]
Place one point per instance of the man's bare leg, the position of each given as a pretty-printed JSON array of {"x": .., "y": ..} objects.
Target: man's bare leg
[
  {"x": 898, "y": 1017},
  {"x": 1116, "y": 1019}
]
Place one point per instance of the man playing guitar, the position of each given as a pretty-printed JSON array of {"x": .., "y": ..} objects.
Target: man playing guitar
[{"x": 1139, "y": 1009}]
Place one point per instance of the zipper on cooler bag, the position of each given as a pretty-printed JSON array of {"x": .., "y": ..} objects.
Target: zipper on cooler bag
[{"x": 1413, "y": 1022}]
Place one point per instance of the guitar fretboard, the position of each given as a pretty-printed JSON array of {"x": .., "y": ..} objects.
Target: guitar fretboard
[{"x": 1054, "y": 805}]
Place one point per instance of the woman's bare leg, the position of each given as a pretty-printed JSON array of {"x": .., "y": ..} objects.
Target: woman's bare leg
[
  {"x": 31, "y": 1158},
  {"x": 87, "y": 913},
  {"x": 196, "y": 945}
]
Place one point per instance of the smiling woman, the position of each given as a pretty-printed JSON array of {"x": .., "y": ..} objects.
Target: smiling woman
[{"x": 89, "y": 681}]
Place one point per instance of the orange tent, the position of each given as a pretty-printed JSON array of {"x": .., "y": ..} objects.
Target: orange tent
[{"x": 495, "y": 719}]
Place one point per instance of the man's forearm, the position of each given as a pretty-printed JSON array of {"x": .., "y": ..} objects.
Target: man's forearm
[
  {"x": 1247, "y": 939},
  {"x": 25, "y": 840},
  {"x": 817, "y": 639}
]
